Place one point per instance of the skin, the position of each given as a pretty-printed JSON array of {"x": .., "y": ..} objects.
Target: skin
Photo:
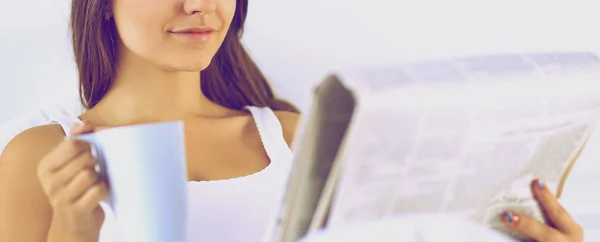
[
  {"x": 158, "y": 81},
  {"x": 562, "y": 229},
  {"x": 52, "y": 192}
]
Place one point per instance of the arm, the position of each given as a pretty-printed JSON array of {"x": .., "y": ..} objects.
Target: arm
[{"x": 26, "y": 212}]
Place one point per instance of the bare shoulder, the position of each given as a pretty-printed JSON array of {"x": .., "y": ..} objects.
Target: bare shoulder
[
  {"x": 26, "y": 215},
  {"x": 19, "y": 161},
  {"x": 33, "y": 143},
  {"x": 289, "y": 122},
  {"x": 22, "y": 155}
]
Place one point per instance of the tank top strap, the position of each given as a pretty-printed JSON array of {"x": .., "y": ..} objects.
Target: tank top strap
[
  {"x": 271, "y": 134},
  {"x": 66, "y": 123},
  {"x": 267, "y": 123}
]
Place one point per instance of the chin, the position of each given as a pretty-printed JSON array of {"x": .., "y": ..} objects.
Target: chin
[{"x": 190, "y": 65}]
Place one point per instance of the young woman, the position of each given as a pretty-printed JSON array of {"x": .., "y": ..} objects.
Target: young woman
[{"x": 143, "y": 61}]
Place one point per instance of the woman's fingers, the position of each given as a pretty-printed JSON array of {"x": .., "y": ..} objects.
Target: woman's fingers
[
  {"x": 562, "y": 227},
  {"x": 67, "y": 150},
  {"x": 80, "y": 184},
  {"x": 83, "y": 161},
  {"x": 90, "y": 199},
  {"x": 69, "y": 171},
  {"x": 63, "y": 154},
  {"x": 532, "y": 228},
  {"x": 554, "y": 211},
  {"x": 83, "y": 128}
]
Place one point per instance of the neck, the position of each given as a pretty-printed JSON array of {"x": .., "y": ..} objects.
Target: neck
[{"x": 143, "y": 92}]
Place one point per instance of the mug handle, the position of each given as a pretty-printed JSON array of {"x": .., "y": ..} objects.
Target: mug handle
[{"x": 100, "y": 166}]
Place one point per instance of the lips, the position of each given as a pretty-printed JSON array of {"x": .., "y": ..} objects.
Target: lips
[
  {"x": 195, "y": 34},
  {"x": 195, "y": 31}
]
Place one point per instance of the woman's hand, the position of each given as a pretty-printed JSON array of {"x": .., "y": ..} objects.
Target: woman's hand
[
  {"x": 562, "y": 229},
  {"x": 72, "y": 186}
]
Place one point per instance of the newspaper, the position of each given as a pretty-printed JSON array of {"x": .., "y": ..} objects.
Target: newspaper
[{"x": 463, "y": 136}]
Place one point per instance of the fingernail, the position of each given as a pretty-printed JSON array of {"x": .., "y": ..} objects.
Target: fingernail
[
  {"x": 512, "y": 218},
  {"x": 540, "y": 185}
]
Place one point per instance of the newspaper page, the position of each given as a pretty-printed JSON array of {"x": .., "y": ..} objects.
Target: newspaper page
[{"x": 465, "y": 136}]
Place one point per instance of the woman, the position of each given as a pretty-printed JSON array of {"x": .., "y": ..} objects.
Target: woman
[
  {"x": 143, "y": 61},
  {"x": 139, "y": 61}
]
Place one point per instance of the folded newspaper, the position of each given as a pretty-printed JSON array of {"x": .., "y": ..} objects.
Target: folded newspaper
[{"x": 461, "y": 136}]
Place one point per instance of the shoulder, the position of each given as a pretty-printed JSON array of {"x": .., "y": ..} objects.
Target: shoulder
[
  {"x": 33, "y": 144},
  {"x": 289, "y": 123},
  {"x": 19, "y": 181}
]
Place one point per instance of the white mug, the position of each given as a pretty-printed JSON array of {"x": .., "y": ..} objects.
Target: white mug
[{"x": 145, "y": 169}]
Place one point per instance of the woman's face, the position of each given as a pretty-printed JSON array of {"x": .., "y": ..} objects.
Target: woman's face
[{"x": 179, "y": 35}]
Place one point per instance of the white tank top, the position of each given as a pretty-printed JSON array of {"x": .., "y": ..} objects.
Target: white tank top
[{"x": 231, "y": 210}]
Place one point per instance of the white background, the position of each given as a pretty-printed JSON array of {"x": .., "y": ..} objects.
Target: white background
[
  {"x": 35, "y": 57},
  {"x": 298, "y": 42}
]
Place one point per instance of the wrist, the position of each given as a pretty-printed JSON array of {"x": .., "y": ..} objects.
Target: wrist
[
  {"x": 56, "y": 234},
  {"x": 63, "y": 237}
]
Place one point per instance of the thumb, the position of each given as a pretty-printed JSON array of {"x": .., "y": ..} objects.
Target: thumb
[{"x": 82, "y": 128}]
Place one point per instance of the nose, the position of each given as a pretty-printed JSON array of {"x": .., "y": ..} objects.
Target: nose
[{"x": 201, "y": 7}]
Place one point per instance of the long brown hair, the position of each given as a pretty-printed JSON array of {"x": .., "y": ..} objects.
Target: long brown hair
[{"x": 232, "y": 79}]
